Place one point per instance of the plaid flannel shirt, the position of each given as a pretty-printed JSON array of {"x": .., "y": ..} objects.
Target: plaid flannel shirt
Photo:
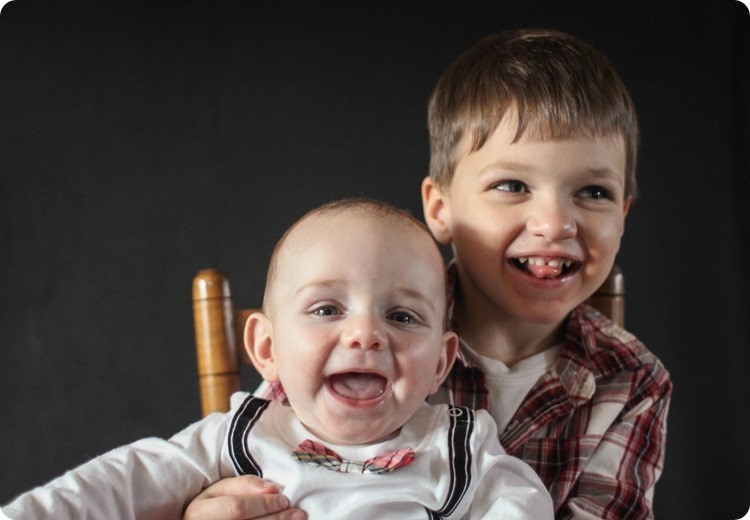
[{"x": 593, "y": 427}]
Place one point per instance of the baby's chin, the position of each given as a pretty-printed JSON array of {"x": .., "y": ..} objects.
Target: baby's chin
[{"x": 354, "y": 435}]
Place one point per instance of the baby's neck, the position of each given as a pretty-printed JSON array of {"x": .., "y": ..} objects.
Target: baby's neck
[{"x": 360, "y": 443}]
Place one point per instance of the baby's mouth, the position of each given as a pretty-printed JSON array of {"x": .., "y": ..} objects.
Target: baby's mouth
[
  {"x": 357, "y": 386},
  {"x": 541, "y": 267}
]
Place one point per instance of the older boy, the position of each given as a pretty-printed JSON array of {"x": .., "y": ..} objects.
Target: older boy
[
  {"x": 533, "y": 154},
  {"x": 534, "y": 139},
  {"x": 354, "y": 326}
]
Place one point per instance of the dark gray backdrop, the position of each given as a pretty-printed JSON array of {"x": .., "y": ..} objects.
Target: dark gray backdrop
[{"x": 142, "y": 141}]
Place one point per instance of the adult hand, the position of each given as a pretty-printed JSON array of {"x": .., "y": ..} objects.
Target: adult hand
[{"x": 242, "y": 498}]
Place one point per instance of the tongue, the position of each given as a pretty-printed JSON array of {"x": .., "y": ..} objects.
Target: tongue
[
  {"x": 358, "y": 386},
  {"x": 545, "y": 271}
]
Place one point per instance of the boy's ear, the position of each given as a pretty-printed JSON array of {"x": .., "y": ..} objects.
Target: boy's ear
[
  {"x": 259, "y": 345},
  {"x": 450, "y": 350},
  {"x": 436, "y": 213},
  {"x": 626, "y": 205},
  {"x": 625, "y": 208}
]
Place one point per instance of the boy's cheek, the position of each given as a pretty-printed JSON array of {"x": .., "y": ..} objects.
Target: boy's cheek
[{"x": 443, "y": 236}]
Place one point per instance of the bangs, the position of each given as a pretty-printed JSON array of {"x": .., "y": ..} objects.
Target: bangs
[
  {"x": 546, "y": 121},
  {"x": 559, "y": 88},
  {"x": 549, "y": 102}
]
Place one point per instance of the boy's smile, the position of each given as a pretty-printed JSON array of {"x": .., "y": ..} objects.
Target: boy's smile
[
  {"x": 541, "y": 267},
  {"x": 535, "y": 223}
]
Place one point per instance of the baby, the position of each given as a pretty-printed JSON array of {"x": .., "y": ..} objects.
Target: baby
[{"x": 354, "y": 326}]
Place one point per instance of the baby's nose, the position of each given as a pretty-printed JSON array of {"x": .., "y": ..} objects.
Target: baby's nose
[{"x": 363, "y": 332}]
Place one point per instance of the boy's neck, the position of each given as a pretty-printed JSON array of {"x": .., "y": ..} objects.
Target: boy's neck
[{"x": 496, "y": 337}]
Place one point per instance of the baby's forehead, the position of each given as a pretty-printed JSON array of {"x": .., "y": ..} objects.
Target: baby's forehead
[
  {"x": 350, "y": 248},
  {"x": 352, "y": 219},
  {"x": 393, "y": 233}
]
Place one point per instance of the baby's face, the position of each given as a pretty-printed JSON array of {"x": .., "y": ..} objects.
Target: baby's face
[{"x": 357, "y": 311}]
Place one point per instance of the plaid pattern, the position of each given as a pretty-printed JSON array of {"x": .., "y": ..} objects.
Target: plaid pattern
[
  {"x": 593, "y": 427},
  {"x": 316, "y": 454}
]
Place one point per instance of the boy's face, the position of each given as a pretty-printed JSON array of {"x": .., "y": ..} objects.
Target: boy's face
[
  {"x": 535, "y": 224},
  {"x": 357, "y": 313}
]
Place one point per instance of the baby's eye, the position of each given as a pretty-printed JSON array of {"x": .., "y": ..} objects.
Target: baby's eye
[
  {"x": 511, "y": 186},
  {"x": 596, "y": 193},
  {"x": 403, "y": 317},
  {"x": 326, "y": 310}
]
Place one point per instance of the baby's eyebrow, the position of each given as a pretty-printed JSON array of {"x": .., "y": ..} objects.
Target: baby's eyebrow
[
  {"x": 319, "y": 284},
  {"x": 417, "y": 295},
  {"x": 401, "y": 292}
]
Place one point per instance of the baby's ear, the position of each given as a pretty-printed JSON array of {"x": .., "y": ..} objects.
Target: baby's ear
[
  {"x": 259, "y": 345},
  {"x": 448, "y": 357}
]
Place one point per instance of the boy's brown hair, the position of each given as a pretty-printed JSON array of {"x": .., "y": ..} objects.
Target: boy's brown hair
[{"x": 559, "y": 85}]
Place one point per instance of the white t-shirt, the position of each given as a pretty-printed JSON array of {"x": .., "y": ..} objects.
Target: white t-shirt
[{"x": 507, "y": 386}]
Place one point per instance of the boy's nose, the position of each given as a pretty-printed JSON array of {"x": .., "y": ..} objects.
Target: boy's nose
[
  {"x": 363, "y": 332},
  {"x": 552, "y": 220}
]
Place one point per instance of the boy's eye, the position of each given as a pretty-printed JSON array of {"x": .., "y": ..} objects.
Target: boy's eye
[
  {"x": 326, "y": 310},
  {"x": 511, "y": 186},
  {"x": 403, "y": 318},
  {"x": 596, "y": 193}
]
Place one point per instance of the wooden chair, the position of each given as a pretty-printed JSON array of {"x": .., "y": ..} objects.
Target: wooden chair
[{"x": 219, "y": 331}]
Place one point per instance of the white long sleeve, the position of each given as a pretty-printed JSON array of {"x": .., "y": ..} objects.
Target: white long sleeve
[{"x": 148, "y": 479}]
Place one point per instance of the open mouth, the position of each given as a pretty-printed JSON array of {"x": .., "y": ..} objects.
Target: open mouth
[
  {"x": 546, "y": 268},
  {"x": 357, "y": 386}
]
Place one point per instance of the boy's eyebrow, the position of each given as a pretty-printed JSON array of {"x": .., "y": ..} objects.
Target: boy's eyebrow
[
  {"x": 514, "y": 166},
  {"x": 606, "y": 172}
]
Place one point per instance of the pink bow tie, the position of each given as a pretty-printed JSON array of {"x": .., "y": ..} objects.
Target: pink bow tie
[{"x": 316, "y": 454}]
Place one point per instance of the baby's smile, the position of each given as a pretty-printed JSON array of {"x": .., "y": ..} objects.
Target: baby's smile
[{"x": 359, "y": 387}]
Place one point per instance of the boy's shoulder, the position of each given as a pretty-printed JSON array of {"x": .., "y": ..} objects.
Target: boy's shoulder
[{"x": 607, "y": 348}]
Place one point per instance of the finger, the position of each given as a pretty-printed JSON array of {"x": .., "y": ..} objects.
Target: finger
[
  {"x": 238, "y": 507},
  {"x": 242, "y": 485},
  {"x": 241, "y": 498},
  {"x": 287, "y": 514}
]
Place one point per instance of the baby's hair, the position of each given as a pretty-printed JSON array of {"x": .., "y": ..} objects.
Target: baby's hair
[
  {"x": 559, "y": 85},
  {"x": 364, "y": 206},
  {"x": 350, "y": 205}
]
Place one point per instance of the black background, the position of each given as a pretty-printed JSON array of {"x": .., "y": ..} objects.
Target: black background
[{"x": 142, "y": 141}]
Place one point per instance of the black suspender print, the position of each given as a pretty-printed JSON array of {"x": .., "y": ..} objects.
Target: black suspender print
[
  {"x": 460, "y": 431},
  {"x": 242, "y": 422},
  {"x": 459, "y": 437}
]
